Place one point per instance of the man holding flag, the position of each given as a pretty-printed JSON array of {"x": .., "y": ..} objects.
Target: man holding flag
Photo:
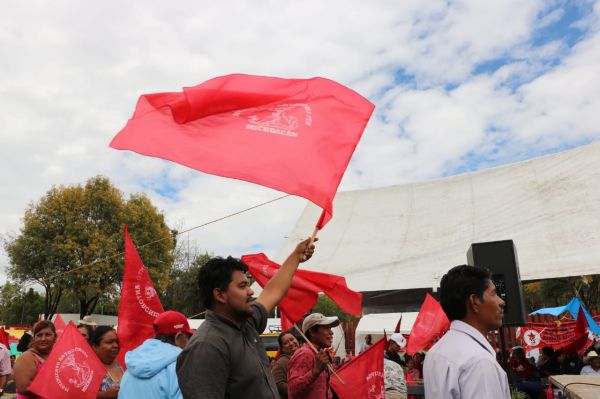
[{"x": 225, "y": 358}]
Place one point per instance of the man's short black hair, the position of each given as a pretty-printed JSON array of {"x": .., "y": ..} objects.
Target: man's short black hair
[
  {"x": 216, "y": 273},
  {"x": 458, "y": 284}
]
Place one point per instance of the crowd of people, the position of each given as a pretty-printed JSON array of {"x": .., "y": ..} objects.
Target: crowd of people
[{"x": 225, "y": 358}]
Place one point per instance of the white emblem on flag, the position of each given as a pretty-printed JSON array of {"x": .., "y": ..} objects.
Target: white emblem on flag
[
  {"x": 73, "y": 362},
  {"x": 533, "y": 338},
  {"x": 281, "y": 119}
]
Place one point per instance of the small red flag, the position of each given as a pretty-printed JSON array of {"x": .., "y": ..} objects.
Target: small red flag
[
  {"x": 363, "y": 377},
  {"x": 59, "y": 324},
  {"x": 139, "y": 305},
  {"x": 306, "y": 286},
  {"x": 292, "y": 135},
  {"x": 430, "y": 325},
  {"x": 4, "y": 338},
  {"x": 72, "y": 370}
]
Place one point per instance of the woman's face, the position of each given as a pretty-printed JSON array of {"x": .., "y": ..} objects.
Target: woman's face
[
  {"x": 290, "y": 344},
  {"x": 44, "y": 340},
  {"x": 108, "y": 348},
  {"x": 84, "y": 332}
]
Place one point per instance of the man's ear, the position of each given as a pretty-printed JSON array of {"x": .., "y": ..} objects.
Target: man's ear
[
  {"x": 474, "y": 303},
  {"x": 219, "y": 295}
]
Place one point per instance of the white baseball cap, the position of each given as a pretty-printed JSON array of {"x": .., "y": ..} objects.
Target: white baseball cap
[
  {"x": 317, "y": 319},
  {"x": 398, "y": 339}
]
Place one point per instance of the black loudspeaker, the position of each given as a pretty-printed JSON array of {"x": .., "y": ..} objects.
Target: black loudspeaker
[{"x": 500, "y": 257}]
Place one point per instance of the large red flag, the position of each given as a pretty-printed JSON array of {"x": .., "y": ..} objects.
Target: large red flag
[
  {"x": 72, "y": 370},
  {"x": 363, "y": 377},
  {"x": 139, "y": 305},
  {"x": 293, "y": 135},
  {"x": 306, "y": 286},
  {"x": 430, "y": 325},
  {"x": 59, "y": 324}
]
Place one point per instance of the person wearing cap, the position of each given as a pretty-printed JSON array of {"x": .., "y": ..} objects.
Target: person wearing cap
[
  {"x": 88, "y": 321},
  {"x": 308, "y": 376},
  {"x": 594, "y": 367},
  {"x": 396, "y": 342},
  {"x": 462, "y": 364},
  {"x": 226, "y": 358},
  {"x": 151, "y": 366}
]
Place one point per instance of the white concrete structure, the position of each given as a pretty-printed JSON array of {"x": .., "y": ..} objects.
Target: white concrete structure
[{"x": 408, "y": 236}]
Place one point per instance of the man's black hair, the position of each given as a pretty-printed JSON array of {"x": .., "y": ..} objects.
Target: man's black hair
[
  {"x": 458, "y": 284},
  {"x": 216, "y": 273}
]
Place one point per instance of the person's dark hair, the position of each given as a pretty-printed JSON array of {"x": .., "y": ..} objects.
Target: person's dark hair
[
  {"x": 40, "y": 325},
  {"x": 216, "y": 273},
  {"x": 548, "y": 351},
  {"x": 88, "y": 328},
  {"x": 24, "y": 342},
  {"x": 99, "y": 332},
  {"x": 557, "y": 353},
  {"x": 458, "y": 284},
  {"x": 166, "y": 338}
]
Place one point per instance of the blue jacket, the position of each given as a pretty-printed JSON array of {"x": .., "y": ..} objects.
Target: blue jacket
[{"x": 151, "y": 372}]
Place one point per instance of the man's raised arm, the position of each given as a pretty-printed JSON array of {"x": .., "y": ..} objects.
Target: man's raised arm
[{"x": 276, "y": 288}]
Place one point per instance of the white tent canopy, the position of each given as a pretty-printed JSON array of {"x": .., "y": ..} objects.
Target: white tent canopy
[
  {"x": 376, "y": 324},
  {"x": 408, "y": 236}
]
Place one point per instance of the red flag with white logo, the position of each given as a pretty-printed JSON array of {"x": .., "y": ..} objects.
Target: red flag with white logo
[
  {"x": 139, "y": 304},
  {"x": 430, "y": 325},
  {"x": 59, "y": 324},
  {"x": 292, "y": 135},
  {"x": 306, "y": 286},
  {"x": 363, "y": 377},
  {"x": 72, "y": 370}
]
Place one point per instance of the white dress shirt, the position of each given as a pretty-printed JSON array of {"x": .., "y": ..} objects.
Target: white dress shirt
[
  {"x": 588, "y": 370},
  {"x": 462, "y": 365}
]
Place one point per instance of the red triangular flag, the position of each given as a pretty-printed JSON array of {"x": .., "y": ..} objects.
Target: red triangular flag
[
  {"x": 430, "y": 325},
  {"x": 72, "y": 370},
  {"x": 293, "y": 135},
  {"x": 59, "y": 324},
  {"x": 580, "y": 341},
  {"x": 4, "y": 338},
  {"x": 139, "y": 305},
  {"x": 306, "y": 286},
  {"x": 397, "y": 329},
  {"x": 363, "y": 376}
]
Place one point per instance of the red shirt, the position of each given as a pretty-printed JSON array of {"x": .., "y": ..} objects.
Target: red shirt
[
  {"x": 522, "y": 367},
  {"x": 301, "y": 383}
]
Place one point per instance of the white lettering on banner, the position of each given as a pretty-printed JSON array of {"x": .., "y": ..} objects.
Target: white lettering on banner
[
  {"x": 376, "y": 389},
  {"x": 280, "y": 119},
  {"x": 73, "y": 361},
  {"x": 149, "y": 293}
]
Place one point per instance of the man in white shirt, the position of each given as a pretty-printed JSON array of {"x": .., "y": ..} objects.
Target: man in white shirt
[
  {"x": 462, "y": 364},
  {"x": 594, "y": 367}
]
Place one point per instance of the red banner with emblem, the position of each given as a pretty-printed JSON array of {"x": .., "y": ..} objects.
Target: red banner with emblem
[{"x": 72, "y": 370}]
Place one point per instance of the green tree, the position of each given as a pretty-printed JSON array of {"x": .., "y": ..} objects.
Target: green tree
[
  {"x": 329, "y": 308},
  {"x": 182, "y": 293},
  {"x": 72, "y": 237},
  {"x": 559, "y": 291},
  {"x": 18, "y": 306}
]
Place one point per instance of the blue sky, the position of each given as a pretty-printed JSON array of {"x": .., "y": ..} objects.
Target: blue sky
[{"x": 459, "y": 86}]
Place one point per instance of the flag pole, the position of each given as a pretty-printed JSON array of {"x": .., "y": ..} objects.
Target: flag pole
[
  {"x": 331, "y": 370},
  {"x": 312, "y": 239}
]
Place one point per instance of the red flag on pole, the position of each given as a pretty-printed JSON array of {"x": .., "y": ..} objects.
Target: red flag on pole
[
  {"x": 59, "y": 324},
  {"x": 292, "y": 135},
  {"x": 430, "y": 325},
  {"x": 306, "y": 286},
  {"x": 139, "y": 305},
  {"x": 72, "y": 370},
  {"x": 363, "y": 377}
]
